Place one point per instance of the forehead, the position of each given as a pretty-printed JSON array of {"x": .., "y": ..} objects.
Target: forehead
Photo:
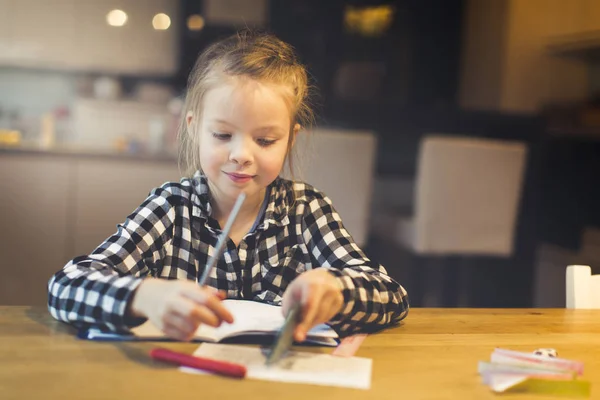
[{"x": 247, "y": 101}]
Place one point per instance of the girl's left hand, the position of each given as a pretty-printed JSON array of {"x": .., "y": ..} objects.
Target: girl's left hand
[{"x": 320, "y": 297}]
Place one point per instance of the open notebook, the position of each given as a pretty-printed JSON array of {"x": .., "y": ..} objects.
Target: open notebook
[{"x": 250, "y": 318}]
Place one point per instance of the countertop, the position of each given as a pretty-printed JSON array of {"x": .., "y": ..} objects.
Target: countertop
[{"x": 64, "y": 150}]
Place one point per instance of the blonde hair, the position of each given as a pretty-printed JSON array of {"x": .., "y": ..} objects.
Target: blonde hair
[{"x": 247, "y": 54}]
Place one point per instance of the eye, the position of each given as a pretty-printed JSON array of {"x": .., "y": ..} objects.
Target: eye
[
  {"x": 265, "y": 142},
  {"x": 221, "y": 136}
]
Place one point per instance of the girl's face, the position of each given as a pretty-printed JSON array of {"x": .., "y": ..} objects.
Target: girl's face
[{"x": 244, "y": 132}]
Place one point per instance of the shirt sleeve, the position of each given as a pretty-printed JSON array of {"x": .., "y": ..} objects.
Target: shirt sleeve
[
  {"x": 372, "y": 300},
  {"x": 96, "y": 288}
]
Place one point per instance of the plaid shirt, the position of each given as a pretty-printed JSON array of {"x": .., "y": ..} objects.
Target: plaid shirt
[{"x": 172, "y": 235}]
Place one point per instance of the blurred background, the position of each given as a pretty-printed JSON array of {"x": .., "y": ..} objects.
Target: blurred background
[{"x": 458, "y": 139}]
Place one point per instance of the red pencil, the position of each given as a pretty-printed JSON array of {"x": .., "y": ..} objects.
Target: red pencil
[{"x": 186, "y": 360}]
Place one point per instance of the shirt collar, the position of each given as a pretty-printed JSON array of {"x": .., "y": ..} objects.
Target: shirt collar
[
  {"x": 281, "y": 197},
  {"x": 280, "y": 200},
  {"x": 200, "y": 184}
]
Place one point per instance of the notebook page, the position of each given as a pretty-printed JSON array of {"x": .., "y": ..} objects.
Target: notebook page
[
  {"x": 249, "y": 317},
  {"x": 255, "y": 318}
]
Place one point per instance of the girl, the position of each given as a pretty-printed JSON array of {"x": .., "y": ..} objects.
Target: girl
[{"x": 246, "y": 102}]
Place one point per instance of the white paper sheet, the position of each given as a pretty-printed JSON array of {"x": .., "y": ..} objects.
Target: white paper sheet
[{"x": 296, "y": 367}]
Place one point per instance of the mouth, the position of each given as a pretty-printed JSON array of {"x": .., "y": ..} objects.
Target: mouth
[{"x": 239, "y": 178}]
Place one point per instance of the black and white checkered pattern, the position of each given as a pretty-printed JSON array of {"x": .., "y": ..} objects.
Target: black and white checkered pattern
[{"x": 171, "y": 235}]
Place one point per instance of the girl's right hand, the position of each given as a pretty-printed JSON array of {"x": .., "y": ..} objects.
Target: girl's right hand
[{"x": 178, "y": 307}]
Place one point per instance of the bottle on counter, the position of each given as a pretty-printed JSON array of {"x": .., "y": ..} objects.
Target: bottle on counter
[
  {"x": 47, "y": 130},
  {"x": 62, "y": 125},
  {"x": 156, "y": 137}
]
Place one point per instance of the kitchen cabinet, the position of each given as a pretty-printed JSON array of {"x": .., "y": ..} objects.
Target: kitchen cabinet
[
  {"x": 5, "y": 31},
  {"x": 34, "y": 204},
  {"x": 562, "y": 17},
  {"x": 55, "y": 207},
  {"x": 74, "y": 35},
  {"x": 106, "y": 193},
  {"x": 592, "y": 15},
  {"x": 573, "y": 17},
  {"x": 42, "y": 32},
  {"x": 506, "y": 64}
]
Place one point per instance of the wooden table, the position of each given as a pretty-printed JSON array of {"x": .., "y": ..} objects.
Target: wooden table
[{"x": 433, "y": 355}]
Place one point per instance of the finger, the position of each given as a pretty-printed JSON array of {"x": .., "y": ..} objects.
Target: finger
[
  {"x": 290, "y": 297},
  {"x": 310, "y": 308},
  {"x": 216, "y": 292},
  {"x": 211, "y": 302},
  {"x": 202, "y": 315},
  {"x": 194, "y": 312},
  {"x": 215, "y": 305},
  {"x": 221, "y": 295},
  {"x": 206, "y": 316},
  {"x": 299, "y": 334},
  {"x": 311, "y": 297},
  {"x": 325, "y": 310}
]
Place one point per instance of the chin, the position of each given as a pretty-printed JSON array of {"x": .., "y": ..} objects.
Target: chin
[{"x": 236, "y": 189}]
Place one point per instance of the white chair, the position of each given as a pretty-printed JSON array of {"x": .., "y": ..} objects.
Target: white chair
[
  {"x": 466, "y": 198},
  {"x": 466, "y": 201},
  {"x": 341, "y": 163},
  {"x": 583, "y": 288}
]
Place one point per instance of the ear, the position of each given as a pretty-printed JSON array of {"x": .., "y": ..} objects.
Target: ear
[
  {"x": 295, "y": 131},
  {"x": 189, "y": 117}
]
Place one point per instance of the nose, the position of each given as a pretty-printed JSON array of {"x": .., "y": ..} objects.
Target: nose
[{"x": 241, "y": 152}]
